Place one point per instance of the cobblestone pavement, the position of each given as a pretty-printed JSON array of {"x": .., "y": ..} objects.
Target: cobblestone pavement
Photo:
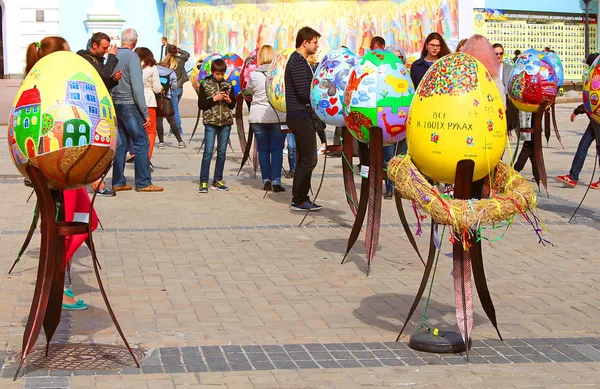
[{"x": 224, "y": 290}]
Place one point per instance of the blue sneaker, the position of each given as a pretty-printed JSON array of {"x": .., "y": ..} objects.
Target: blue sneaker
[
  {"x": 305, "y": 206},
  {"x": 218, "y": 185}
]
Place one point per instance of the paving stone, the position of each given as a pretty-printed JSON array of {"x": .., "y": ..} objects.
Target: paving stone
[
  {"x": 384, "y": 354},
  {"x": 263, "y": 365},
  {"x": 517, "y": 358},
  {"x": 279, "y": 357},
  {"x": 252, "y": 349},
  {"x": 273, "y": 349},
  {"x": 196, "y": 368},
  {"x": 240, "y": 366},
  {"x": 293, "y": 348},
  {"x": 363, "y": 355},
  {"x": 391, "y": 362},
  {"x": 321, "y": 356},
  {"x": 370, "y": 362},
  {"x": 312, "y": 348},
  {"x": 306, "y": 365},
  {"x": 300, "y": 356},
  {"x": 329, "y": 364},
  {"x": 343, "y": 355},
  {"x": 285, "y": 365},
  {"x": 355, "y": 346},
  {"x": 334, "y": 347},
  {"x": 349, "y": 363},
  {"x": 257, "y": 357},
  {"x": 152, "y": 369}
]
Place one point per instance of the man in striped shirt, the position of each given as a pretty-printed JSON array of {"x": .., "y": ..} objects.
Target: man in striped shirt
[{"x": 298, "y": 77}]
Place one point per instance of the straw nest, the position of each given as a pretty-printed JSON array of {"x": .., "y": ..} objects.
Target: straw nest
[{"x": 509, "y": 195}]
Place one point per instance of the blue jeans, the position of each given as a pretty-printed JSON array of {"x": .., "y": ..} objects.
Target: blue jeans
[
  {"x": 221, "y": 133},
  {"x": 584, "y": 144},
  {"x": 130, "y": 124},
  {"x": 175, "y": 97},
  {"x": 291, "y": 139},
  {"x": 270, "y": 150}
]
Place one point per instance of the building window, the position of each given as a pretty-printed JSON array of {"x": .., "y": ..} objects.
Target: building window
[
  {"x": 34, "y": 121},
  {"x": 89, "y": 87},
  {"x": 27, "y": 110},
  {"x": 26, "y": 123},
  {"x": 69, "y": 142},
  {"x": 74, "y": 85},
  {"x": 82, "y": 129},
  {"x": 83, "y": 140},
  {"x": 75, "y": 96},
  {"x": 70, "y": 128},
  {"x": 93, "y": 110},
  {"x": 103, "y": 112},
  {"x": 90, "y": 98},
  {"x": 35, "y": 109}
]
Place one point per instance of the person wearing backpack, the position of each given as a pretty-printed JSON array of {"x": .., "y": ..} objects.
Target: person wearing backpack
[{"x": 168, "y": 80}]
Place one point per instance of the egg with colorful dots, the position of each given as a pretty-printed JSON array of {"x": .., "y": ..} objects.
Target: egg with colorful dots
[
  {"x": 234, "y": 70},
  {"x": 591, "y": 91},
  {"x": 457, "y": 114},
  {"x": 63, "y": 122},
  {"x": 379, "y": 93},
  {"x": 532, "y": 81},
  {"x": 276, "y": 79},
  {"x": 329, "y": 84}
]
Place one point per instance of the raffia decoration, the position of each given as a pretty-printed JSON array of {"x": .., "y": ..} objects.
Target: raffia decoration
[{"x": 510, "y": 194}]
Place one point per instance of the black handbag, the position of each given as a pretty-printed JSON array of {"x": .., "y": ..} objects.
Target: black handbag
[{"x": 164, "y": 106}]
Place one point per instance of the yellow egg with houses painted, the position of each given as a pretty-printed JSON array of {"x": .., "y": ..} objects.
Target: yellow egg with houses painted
[
  {"x": 63, "y": 122},
  {"x": 457, "y": 113}
]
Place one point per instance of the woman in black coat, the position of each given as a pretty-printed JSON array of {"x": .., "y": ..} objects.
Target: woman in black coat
[{"x": 434, "y": 48}]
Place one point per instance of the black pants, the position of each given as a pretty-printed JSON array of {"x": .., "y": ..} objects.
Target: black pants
[
  {"x": 306, "y": 148},
  {"x": 526, "y": 154},
  {"x": 161, "y": 130}
]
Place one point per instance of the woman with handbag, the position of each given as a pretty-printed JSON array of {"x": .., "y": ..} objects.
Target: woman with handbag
[
  {"x": 152, "y": 85},
  {"x": 169, "y": 82},
  {"x": 265, "y": 123}
]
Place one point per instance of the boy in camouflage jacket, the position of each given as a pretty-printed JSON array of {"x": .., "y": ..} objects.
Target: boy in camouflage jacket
[{"x": 216, "y": 99}]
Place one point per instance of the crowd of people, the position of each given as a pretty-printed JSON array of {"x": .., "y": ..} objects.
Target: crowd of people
[{"x": 137, "y": 82}]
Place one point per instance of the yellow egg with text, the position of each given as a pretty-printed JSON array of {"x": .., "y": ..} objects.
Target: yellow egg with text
[{"x": 457, "y": 114}]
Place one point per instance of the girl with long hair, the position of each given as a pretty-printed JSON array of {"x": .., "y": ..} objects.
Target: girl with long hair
[
  {"x": 265, "y": 123},
  {"x": 434, "y": 48},
  {"x": 73, "y": 199},
  {"x": 167, "y": 69},
  {"x": 152, "y": 85}
]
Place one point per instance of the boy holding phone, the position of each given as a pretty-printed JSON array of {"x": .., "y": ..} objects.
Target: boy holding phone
[{"x": 216, "y": 99}]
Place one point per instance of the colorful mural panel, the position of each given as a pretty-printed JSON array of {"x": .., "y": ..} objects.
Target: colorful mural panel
[{"x": 204, "y": 26}]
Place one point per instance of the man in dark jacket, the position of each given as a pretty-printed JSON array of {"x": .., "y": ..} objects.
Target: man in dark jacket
[
  {"x": 298, "y": 77},
  {"x": 99, "y": 47}
]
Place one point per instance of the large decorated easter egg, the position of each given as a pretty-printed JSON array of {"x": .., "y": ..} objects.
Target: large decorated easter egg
[
  {"x": 532, "y": 81},
  {"x": 204, "y": 69},
  {"x": 591, "y": 91},
  {"x": 329, "y": 84},
  {"x": 63, "y": 122},
  {"x": 457, "y": 113},
  {"x": 379, "y": 93},
  {"x": 553, "y": 60},
  {"x": 250, "y": 65},
  {"x": 234, "y": 70},
  {"x": 276, "y": 79}
]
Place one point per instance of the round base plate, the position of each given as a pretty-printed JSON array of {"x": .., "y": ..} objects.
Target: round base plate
[{"x": 447, "y": 342}]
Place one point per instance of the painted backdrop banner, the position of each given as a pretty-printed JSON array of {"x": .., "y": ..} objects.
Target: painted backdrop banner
[{"x": 204, "y": 26}]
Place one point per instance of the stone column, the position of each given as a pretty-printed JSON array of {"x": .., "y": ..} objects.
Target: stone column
[{"x": 104, "y": 17}]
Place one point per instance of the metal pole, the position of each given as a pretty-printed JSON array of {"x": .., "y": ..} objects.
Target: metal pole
[{"x": 587, "y": 27}]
